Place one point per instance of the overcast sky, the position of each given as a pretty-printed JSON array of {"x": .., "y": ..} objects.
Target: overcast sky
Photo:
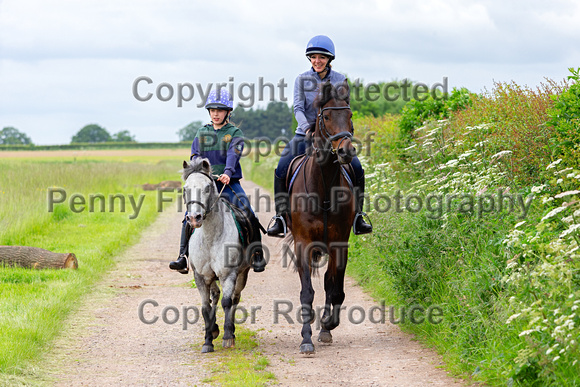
[{"x": 65, "y": 64}]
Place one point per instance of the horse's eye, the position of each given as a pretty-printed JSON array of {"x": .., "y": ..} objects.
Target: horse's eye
[
  {"x": 326, "y": 118},
  {"x": 206, "y": 190}
]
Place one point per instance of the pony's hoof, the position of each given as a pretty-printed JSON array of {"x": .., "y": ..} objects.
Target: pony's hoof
[
  {"x": 307, "y": 349},
  {"x": 325, "y": 337},
  {"x": 229, "y": 343},
  {"x": 206, "y": 348}
]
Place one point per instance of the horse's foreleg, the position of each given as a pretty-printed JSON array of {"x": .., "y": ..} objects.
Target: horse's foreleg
[
  {"x": 228, "y": 286},
  {"x": 215, "y": 297},
  {"x": 306, "y": 299},
  {"x": 207, "y": 312},
  {"x": 334, "y": 287},
  {"x": 332, "y": 320}
]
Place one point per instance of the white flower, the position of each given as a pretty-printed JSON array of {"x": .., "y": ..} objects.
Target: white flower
[
  {"x": 512, "y": 318},
  {"x": 553, "y": 165},
  {"x": 519, "y": 224},
  {"x": 567, "y": 193},
  {"x": 556, "y": 358},
  {"x": 559, "y": 181},
  {"x": 539, "y": 188},
  {"x": 452, "y": 163},
  {"x": 569, "y": 231},
  {"x": 410, "y": 147},
  {"x": 547, "y": 200},
  {"x": 501, "y": 154},
  {"x": 555, "y": 211}
]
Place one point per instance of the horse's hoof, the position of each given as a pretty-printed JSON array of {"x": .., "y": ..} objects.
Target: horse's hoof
[
  {"x": 229, "y": 343},
  {"x": 206, "y": 348},
  {"x": 215, "y": 333},
  {"x": 307, "y": 349},
  {"x": 325, "y": 337},
  {"x": 327, "y": 324}
]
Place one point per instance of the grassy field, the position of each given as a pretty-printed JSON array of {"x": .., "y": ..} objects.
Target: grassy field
[{"x": 34, "y": 303}]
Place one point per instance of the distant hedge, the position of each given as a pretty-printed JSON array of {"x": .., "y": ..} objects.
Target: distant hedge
[{"x": 102, "y": 145}]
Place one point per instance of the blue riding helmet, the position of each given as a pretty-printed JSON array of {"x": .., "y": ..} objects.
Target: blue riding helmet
[
  {"x": 224, "y": 102},
  {"x": 320, "y": 44}
]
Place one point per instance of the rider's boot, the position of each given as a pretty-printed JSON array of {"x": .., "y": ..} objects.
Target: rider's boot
[
  {"x": 181, "y": 264},
  {"x": 278, "y": 229},
  {"x": 257, "y": 253},
  {"x": 360, "y": 226}
]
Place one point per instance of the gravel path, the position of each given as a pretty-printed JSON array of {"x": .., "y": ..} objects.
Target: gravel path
[{"x": 107, "y": 344}]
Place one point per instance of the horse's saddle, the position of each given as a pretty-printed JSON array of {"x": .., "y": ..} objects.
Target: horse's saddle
[
  {"x": 246, "y": 226},
  {"x": 298, "y": 162}
]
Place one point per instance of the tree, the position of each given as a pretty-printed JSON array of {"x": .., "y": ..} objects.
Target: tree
[
  {"x": 91, "y": 133},
  {"x": 271, "y": 122},
  {"x": 12, "y": 136},
  {"x": 188, "y": 133},
  {"x": 123, "y": 136}
]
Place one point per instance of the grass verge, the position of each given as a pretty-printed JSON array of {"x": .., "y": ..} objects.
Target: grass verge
[{"x": 34, "y": 303}]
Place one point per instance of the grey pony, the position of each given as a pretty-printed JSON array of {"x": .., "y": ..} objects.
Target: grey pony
[{"x": 215, "y": 251}]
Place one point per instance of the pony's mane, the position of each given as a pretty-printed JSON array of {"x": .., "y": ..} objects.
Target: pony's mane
[
  {"x": 198, "y": 164},
  {"x": 328, "y": 91}
]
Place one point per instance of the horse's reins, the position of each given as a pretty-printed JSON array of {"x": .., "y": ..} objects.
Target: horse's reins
[
  {"x": 206, "y": 211},
  {"x": 329, "y": 138}
]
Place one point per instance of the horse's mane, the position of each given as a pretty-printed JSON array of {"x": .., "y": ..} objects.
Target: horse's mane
[
  {"x": 328, "y": 91},
  {"x": 198, "y": 164}
]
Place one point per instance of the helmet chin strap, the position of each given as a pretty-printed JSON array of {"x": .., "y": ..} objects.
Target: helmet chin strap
[{"x": 226, "y": 117}]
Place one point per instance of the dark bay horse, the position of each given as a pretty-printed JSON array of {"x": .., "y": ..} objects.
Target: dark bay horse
[{"x": 323, "y": 209}]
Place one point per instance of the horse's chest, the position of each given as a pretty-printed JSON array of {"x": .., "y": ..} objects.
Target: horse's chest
[{"x": 211, "y": 253}]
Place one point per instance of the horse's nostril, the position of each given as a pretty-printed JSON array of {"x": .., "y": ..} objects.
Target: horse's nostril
[{"x": 198, "y": 218}]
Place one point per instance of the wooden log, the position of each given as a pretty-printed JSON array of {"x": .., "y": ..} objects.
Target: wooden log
[{"x": 36, "y": 258}]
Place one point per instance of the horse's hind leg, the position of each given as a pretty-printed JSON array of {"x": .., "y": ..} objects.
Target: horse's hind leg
[
  {"x": 228, "y": 286},
  {"x": 240, "y": 285},
  {"x": 207, "y": 311}
]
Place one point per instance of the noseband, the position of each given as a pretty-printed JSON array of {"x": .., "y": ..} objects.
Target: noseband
[{"x": 327, "y": 136}]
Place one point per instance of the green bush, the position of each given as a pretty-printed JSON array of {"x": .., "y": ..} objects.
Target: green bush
[
  {"x": 415, "y": 113},
  {"x": 565, "y": 118}
]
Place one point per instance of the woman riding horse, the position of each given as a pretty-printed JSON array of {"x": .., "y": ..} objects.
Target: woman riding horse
[
  {"x": 320, "y": 52},
  {"x": 222, "y": 144}
]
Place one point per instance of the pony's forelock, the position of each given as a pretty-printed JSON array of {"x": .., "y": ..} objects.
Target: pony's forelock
[{"x": 198, "y": 164}]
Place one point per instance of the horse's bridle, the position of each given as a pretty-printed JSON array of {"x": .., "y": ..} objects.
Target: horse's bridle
[
  {"x": 327, "y": 136},
  {"x": 202, "y": 205}
]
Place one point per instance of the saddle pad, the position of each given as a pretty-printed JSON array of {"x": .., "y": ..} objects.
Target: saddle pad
[{"x": 242, "y": 223}]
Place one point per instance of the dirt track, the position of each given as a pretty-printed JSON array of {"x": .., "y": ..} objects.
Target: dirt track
[{"x": 107, "y": 344}]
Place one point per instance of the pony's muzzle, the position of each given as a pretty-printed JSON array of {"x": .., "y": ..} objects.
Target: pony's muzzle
[{"x": 195, "y": 220}]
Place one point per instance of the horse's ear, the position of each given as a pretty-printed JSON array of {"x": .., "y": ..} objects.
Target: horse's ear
[
  {"x": 185, "y": 164},
  {"x": 343, "y": 91},
  {"x": 205, "y": 165},
  {"x": 326, "y": 91},
  {"x": 324, "y": 95}
]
